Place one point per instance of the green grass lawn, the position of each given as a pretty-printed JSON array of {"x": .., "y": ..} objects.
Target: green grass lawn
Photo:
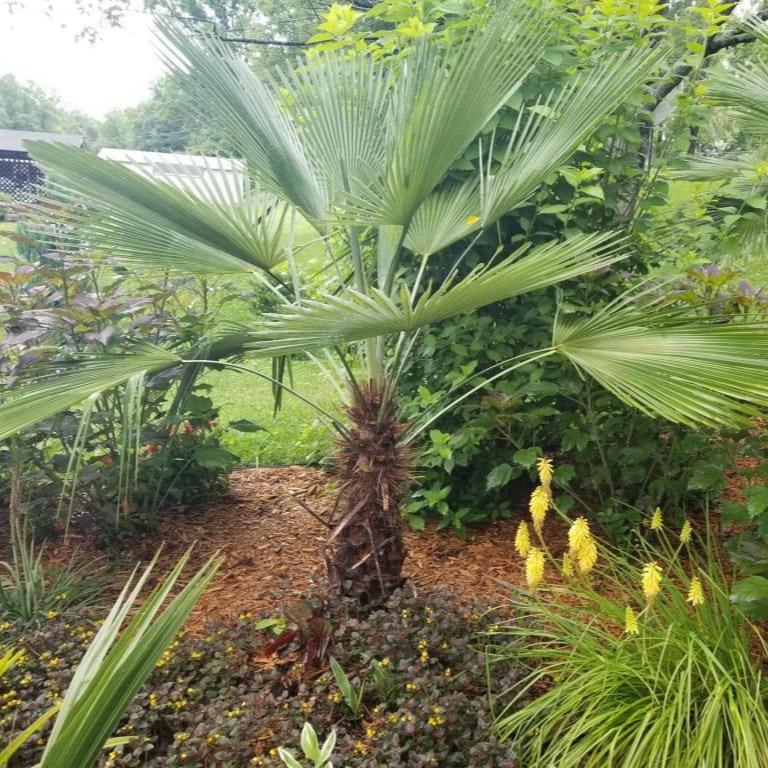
[
  {"x": 7, "y": 246},
  {"x": 295, "y": 435}
]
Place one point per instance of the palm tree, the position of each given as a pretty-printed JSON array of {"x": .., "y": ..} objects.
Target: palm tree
[{"x": 361, "y": 149}]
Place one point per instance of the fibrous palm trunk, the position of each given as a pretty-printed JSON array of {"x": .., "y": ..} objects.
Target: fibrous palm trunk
[{"x": 366, "y": 551}]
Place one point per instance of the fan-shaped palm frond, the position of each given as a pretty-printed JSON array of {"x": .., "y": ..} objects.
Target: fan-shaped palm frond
[
  {"x": 713, "y": 168},
  {"x": 442, "y": 100},
  {"x": 743, "y": 86},
  {"x": 354, "y": 316},
  {"x": 147, "y": 222},
  {"x": 250, "y": 113},
  {"x": 339, "y": 105},
  {"x": 64, "y": 385},
  {"x": 541, "y": 142},
  {"x": 666, "y": 364},
  {"x": 739, "y": 206},
  {"x": 344, "y": 124},
  {"x": 446, "y": 216},
  {"x": 550, "y": 137}
]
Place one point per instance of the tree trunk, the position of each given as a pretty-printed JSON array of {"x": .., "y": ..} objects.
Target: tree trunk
[{"x": 365, "y": 551}]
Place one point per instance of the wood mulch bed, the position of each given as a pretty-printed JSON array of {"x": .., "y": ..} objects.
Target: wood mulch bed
[{"x": 273, "y": 547}]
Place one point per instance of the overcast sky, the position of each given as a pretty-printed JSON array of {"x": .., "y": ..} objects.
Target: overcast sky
[{"x": 114, "y": 72}]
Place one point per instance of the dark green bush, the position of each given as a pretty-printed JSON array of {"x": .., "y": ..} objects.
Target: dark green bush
[
  {"x": 611, "y": 460},
  {"x": 214, "y": 700}
]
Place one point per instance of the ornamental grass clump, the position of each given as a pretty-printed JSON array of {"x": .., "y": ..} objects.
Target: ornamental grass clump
[{"x": 643, "y": 663}]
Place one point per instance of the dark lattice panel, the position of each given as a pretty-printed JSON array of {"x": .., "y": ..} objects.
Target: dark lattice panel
[{"x": 19, "y": 178}]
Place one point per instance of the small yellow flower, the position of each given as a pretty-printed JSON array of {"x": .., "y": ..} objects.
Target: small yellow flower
[
  {"x": 651, "y": 580},
  {"x": 567, "y": 566},
  {"x": 631, "y": 627},
  {"x": 544, "y": 467},
  {"x": 578, "y": 535},
  {"x": 534, "y": 567},
  {"x": 695, "y": 592},
  {"x": 686, "y": 532},
  {"x": 587, "y": 556},
  {"x": 657, "y": 520},
  {"x": 538, "y": 505},
  {"x": 522, "y": 539},
  {"x": 472, "y": 220}
]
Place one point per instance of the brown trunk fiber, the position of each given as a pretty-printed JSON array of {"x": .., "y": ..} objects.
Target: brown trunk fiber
[{"x": 365, "y": 552}]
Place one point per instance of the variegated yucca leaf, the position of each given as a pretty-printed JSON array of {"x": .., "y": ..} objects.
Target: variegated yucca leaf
[{"x": 120, "y": 658}]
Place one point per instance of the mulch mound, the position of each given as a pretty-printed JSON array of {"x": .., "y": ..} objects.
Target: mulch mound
[{"x": 273, "y": 547}]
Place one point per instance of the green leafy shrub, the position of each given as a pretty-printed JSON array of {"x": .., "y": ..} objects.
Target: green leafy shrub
[
  {"x": 122, "y": 455},
  {"x": 214, "y": 700},
  {"x": 612, "y": 459},
  {"x": 649, "y": 665}
]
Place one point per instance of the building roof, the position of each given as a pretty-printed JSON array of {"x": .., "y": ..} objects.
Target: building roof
[
  {"x": 13, "y": 141},
  {"x": 212, "y": 179},
  {"x": 173, "y": 159}
]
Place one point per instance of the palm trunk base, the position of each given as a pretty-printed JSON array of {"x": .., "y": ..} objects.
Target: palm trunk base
[{"x": 365, "y": 552}]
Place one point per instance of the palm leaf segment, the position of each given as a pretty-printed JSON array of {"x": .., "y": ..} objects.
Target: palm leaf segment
[
  {"x": 540, "y": 143},
  {"x": 744, "y": 86},
  {"x": 393, "y": 144},
  {"x": 353, "y": 316},
  {"x": 664, "y": 364},
  {"x": 142, "y": 220},
  {"x": 343, "y": 132},
  {"x": 68, "y": 384},
  {"x": 344, "y": 137}
]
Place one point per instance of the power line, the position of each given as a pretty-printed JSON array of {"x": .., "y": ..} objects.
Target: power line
[{"x": 259, "y": 41}]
